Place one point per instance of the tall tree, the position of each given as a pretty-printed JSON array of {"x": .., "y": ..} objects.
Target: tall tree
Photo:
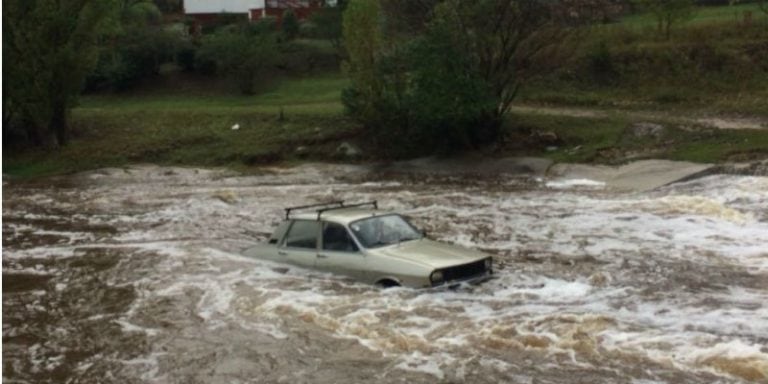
[
  {"x": 49, "y": 46},
  {"x": 450, "y": 78},
  {"x": 508, "y": 41},
  {"x": 364, "y": 43}
]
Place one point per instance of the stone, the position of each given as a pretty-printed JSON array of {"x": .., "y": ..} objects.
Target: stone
[
  {"x": 640, "y": 130},
  {"x": 348, "y": 150}
]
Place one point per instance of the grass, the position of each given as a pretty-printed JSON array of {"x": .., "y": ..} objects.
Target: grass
[
  {"x": 196, "y": 129},
  {"x": 179, "y": 121},
  {"x": 202, "y": 138},
  {"x": 319, "y": 94},
  {"x": 701, "y": 15},
  {"x": 713, "y": 63},
  {"x": 608, "y": 140}
]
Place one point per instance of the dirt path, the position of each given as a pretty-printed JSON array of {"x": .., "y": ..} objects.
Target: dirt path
[{"x": 720, "y": 122}]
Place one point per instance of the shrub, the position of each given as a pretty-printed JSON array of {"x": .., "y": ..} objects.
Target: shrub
[
  {"x": 137, "y": 55},
  {"x": 239, "y": 52},
  {"x": 419, "y": 97},
  {"x": 601, "y": 66},
  {"x": 290, "y": 25}
]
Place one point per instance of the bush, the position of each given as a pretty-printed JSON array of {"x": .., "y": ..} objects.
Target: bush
[
  {"x": 239, "y": 52},
  {"x": 137, "y": 55},
  {"x": 301, "y": 57},
  {"x": 423, "y": 97},
  {"x": 601, "y": 66},
  {"x": 290, "y": 25}
]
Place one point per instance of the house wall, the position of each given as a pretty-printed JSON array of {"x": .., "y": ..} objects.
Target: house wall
[
  {"x": 221, "y": 6},
  {"x": 303, "y": 9}
]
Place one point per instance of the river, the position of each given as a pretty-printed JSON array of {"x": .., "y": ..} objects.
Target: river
[{"x": 135, "y": 276}]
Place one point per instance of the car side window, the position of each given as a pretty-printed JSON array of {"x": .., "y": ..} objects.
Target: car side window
[
  {"x": 336, "y": 238},
  {"x": 303, "y": 234}
]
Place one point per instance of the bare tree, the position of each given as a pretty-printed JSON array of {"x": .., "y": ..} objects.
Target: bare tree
[{"x": 508, "y": 40}]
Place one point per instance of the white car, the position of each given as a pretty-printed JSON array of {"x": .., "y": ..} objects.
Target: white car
[{"x": 369, "y": 245}]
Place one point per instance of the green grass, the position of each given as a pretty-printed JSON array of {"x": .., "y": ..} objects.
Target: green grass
[
  {"x": 202, "y": 138},
  {"x": 701, "y": 15},
  {"x": 179, "y": 128},
  {"x": 304, "y": 95}
]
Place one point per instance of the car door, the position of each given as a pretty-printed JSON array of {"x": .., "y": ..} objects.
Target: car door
[
  {"x": 299, "y": 246},
  {"x": 339, "y": 253}
]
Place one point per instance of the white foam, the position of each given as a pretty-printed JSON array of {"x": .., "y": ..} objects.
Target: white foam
[
  {"x": 550, "y": 242},
  {"x": 574, "y": 183},
  {"x": 416, "y": 362}
]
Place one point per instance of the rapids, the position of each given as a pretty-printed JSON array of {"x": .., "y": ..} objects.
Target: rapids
[{"x": 135, "y": 276}]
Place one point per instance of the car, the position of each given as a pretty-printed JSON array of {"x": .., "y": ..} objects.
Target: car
[{"x": 371, "y": 246}]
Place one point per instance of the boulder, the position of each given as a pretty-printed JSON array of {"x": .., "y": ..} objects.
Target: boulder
[
  {"x": 348, "y": 150},
  {"x": 641, "y": 130}
]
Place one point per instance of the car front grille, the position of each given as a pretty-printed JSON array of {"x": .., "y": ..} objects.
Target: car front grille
[{"x": 466, "y": 271}]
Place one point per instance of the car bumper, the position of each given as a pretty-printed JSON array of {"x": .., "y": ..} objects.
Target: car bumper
[{"x": 471, "y": 280}]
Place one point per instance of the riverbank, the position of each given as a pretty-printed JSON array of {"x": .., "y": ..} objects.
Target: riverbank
[{"x": 241, "y": 137}]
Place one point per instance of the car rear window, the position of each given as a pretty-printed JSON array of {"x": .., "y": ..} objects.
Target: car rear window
[{"x": 303, "y": 234}]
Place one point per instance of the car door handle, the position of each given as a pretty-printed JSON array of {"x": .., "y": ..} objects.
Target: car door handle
[
  {"x": 321, "y": 256},
  {"x": 281, "y": 253}
]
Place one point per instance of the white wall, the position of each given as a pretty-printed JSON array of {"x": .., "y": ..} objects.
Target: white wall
[{"x": 219, "y": 6}]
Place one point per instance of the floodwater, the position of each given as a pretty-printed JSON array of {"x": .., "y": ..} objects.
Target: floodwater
[{"x": 135, "y": 276}]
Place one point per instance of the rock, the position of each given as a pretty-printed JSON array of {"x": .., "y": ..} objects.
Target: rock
[
  {"x": 348, "y": 150},
  {"x": 228, "y": 197},
  {"x": 599, "y": 279},
  {"x": 640, "y": 130},
  {"x": 754, "y": 168},
  {"x": 546, "y": 137},
  {"x": 301, "y": 150}
]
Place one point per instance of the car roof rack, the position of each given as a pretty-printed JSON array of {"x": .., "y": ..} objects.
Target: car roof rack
[{"x": 329, "y": 206}]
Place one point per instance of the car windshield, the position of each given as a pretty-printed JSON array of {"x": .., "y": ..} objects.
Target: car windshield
[{"x": 379, "y": 231}]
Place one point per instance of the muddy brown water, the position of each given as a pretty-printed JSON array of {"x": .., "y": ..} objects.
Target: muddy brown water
[{"x": 135, "y": 276}]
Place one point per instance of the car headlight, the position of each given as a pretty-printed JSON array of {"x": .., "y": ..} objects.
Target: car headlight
[
  {"x": 436, "y": 277},
  {"x": 488, "y": 264}
]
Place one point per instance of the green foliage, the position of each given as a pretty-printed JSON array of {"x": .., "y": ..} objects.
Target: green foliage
[
  {"x": 668, "y": 13},
  {"x": 447, "y": 83},
  {"x": 363, "y": 40},
  {"x": 450, "y": 103},
  {"x": 169, "y": 6},
  {"x": 135, "y": 47},
  {"x": 290, "y": 25},
  {"x": 49, "y": 46},
  {"x": 326, "y": 24},
  {"x": 137, "y": 55},
  {"x": 415, "y": 94},
  {"x": 241, "y": 52},
  {"x": 601, "y": 64}
]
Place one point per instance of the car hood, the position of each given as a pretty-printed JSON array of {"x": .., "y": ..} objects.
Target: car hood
[{"x": 429, "y": 253}]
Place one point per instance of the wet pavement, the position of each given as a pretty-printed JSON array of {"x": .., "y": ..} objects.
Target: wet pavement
[{"x": 135, "y": 276}]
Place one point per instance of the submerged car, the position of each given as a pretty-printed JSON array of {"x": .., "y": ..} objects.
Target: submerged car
[{"x": 371, "y": 246}]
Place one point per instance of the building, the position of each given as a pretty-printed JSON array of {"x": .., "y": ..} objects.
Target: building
[
  {"x": 207, "y": 11},
  {"x": 303, "y": 9}
]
